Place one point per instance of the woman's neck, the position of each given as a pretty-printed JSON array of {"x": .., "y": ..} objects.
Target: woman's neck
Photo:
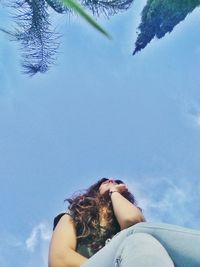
[{"x": 103, "y": 216}]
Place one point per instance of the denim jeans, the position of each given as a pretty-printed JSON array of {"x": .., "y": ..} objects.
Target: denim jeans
[{"x": 150, "y": 245}]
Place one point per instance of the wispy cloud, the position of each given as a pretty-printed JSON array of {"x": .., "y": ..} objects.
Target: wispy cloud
[
  {"x": 33, "y": 250},
  {"x": 194, "y": 115},
  {"x": 169, "y": 200},
  {"x": 191, "y": 110},
  {"x": 40, "y": 232},
  {"x": 37, "y": 245},
  {"x": 197, "y": 119}
]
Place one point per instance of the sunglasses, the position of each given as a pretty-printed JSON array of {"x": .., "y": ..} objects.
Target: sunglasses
[{"x": 116, "y": 181}]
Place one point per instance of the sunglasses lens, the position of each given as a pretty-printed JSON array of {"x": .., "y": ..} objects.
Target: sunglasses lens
[
  {"x": 104, "y": 180},
  {"x": 119, "y": 182}
]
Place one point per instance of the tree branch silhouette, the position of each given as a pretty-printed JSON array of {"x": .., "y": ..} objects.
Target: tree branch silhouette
[
  {"x": 39, "y": 41},
  {"x": 160, "y": 17}
]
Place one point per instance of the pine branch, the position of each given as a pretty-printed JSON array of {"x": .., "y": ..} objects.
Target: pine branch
[
  {"x": 106, "y": 7},
  {"x": 39, "y": 42},
  {"x": 160, "y": 17},
  {"x": 58, "y": 6}
]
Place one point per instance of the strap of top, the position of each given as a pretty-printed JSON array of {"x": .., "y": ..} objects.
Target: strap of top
[{"x": 59, "y": 216}]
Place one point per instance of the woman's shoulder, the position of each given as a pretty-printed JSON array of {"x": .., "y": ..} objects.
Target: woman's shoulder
[{"x": 60, "y": 215}]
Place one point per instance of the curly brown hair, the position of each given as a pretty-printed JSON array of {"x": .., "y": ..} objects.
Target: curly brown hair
[{"x": 85, "y": 210}]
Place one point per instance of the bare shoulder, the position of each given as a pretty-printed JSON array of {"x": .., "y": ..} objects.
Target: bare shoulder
[
  {"x": 62, "y": 248},
  {"x": 64, "y": 234},
  {"x": 65, "y": 219}
]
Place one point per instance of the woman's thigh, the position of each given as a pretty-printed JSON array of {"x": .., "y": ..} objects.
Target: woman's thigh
[
  {"x": 142, "y": 250},
  {"x": 182, "y": 244},
  {"x": 105, "y": 256}
]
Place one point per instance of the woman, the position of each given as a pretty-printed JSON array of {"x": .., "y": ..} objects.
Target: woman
[{"x": 104, "y": 227}]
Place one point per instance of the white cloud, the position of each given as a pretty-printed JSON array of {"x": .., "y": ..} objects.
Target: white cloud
[
  {"x": 197, "y": 119},
  {"x": 169, "y": 200},
  {"x": 33, "y": 250},
  {"x": 194, "y": 114},
  {"x": 37, "y": 245},
  {"x": 40, "y": 232},
  {"x": 190, "y": 109}
]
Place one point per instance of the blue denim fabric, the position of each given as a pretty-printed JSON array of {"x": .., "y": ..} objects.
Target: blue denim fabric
[
  {"x": 173, "y": 243},
  {"x": 142, "y": 250}
]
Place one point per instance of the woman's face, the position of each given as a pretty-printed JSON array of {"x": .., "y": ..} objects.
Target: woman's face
[{"x": 105, "y": 186}]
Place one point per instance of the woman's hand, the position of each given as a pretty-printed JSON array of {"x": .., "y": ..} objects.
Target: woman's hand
[
  {"x": 125, "y": 211},
  {"x": 119, "y": 188},
  {"x": 109, "y": 185}
]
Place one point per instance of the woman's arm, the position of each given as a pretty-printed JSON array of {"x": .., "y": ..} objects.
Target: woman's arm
[
  {"x": 126, "y": 213},
  {"x": 63, "y": 245}
]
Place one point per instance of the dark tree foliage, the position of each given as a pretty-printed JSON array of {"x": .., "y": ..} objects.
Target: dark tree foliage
[
  {"x": 107, "y": 7},
  {"x": 57, "y": 6},
  {"x": 39, "y": 41},
  {"x": 160, "y": 17}
]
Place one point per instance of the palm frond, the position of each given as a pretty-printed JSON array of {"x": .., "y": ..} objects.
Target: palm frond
[{"x": 79, "y": 9}]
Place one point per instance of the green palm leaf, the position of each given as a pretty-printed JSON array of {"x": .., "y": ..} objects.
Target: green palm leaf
[{"x": 80, "y": 10}]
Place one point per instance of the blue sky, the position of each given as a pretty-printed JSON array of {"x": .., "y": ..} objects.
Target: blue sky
[{"x": 100, "y": 112}]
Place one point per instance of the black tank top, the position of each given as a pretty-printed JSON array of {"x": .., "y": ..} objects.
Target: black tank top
[{"x": 82, "y": 249}]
